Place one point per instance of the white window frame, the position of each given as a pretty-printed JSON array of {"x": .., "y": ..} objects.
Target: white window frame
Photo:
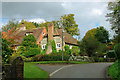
[
  {"x": 58, "y": 45},
  {"x": 43, "y": 46}
]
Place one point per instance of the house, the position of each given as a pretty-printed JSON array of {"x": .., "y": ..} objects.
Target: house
[{"x": 42, "y": 36}]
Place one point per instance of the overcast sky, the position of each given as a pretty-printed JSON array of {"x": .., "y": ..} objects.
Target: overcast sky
[{"x": 88, "y": 15}]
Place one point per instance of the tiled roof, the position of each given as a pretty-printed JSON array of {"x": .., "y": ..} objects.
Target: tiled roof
[
  {"x": 67, "y": 37},
  {"x": 36, "y": 32}
]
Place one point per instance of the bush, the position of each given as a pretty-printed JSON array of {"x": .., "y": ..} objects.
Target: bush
[
  {"x": 75, "y": 50},
  {"x": 111, "y": 54},
  {"x": 31, "y": 52},
  {"x": 117, "y": 50},
  {"x": 67, "y": 50},
  {"x": 51, "y": 57}
]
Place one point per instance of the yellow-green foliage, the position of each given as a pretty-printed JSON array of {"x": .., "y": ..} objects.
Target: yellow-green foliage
[{"x": 28, "y": 25}]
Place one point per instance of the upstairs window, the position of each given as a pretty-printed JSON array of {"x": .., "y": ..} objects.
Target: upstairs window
[
  {"x": 27, "y": 33},
  {"x": 58, "y": 45}
]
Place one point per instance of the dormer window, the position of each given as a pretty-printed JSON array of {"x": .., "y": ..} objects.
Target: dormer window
[{"x": 28, "y": 33}]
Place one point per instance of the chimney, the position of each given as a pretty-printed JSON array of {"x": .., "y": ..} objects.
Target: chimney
[
  {"x": 50, "y": 31},
  {"x": 22, "y": 27},
  {"x": 50, "y": 37}
]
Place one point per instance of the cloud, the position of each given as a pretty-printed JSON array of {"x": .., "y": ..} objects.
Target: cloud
[
  {"x": 88, "y": 15},
  {"x": 37, "y": 20}
]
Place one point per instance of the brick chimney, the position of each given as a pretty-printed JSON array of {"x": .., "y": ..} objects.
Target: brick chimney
[
  {"x": 50, "y": 31},
  {"x": 50, "y": 37}
]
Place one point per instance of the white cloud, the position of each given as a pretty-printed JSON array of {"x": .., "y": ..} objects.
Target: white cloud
[
  {"x": 37, "y": 20},
  {"x": 97, "y": 12}
]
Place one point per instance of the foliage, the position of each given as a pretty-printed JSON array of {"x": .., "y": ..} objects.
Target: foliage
[
  {"x": 114, "y": 17},
  {"x": 36, "y": 24},
  {"x": 102, "y": 35},
  {"x": 93, "y": 42},
  {"x": 69, "y": 24},
  {"x": 114, "y": 71},
  {"x": 53, "y": 47},
  {"x": 51, "y": 57},
  {"x": 111, "y": 54},
  {"x": 75, "y": 50},
  {"x": 45, "y": 25},
  {"x": 59, "y": 62},
  {"x": 32, "y": 71},
  {"x": 31, "y": 52},
  {"x": 6, "y": 51},
  {"x": 29, "y": 41},
  {"x": 67, "y": 50},
  {"x": 117, "y": 50},
  {"x": 28, "y": 25},
  {"x": 12, "y": 23}
]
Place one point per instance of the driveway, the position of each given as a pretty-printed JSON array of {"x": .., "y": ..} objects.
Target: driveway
[{"x": 91, "y": 70}]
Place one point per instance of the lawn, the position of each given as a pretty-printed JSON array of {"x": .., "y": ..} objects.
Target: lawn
[
  {"x": 59, "y": 62},
  {"x": 32, "y": 71},
  {"x": 113, "y": 70}
]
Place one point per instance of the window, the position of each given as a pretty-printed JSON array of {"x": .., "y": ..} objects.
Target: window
[
  {"x": 43, "y": 33},
  {"x": 58, "y": 45},
  {"x": 43, "y": 46},
  {"x": 27, "y": 34}
]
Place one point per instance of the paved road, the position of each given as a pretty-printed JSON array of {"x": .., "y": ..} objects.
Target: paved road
[{"x": 91, "y": 70}]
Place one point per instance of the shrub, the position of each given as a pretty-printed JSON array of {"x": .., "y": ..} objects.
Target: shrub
[
  {"x": 53, "y": 47},
  {"x": 31, "y": 52},
  {"x": 75, "y": 50},
  {"x": 67, "y": 50},
  {"x": 111, "y": 54},
  {"x": 51, "y": 57},
  {"x": 117, "y": 50}
]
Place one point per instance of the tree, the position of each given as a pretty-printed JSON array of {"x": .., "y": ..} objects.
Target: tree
[
  {"x": 28, "y": 25},
  {"x": 36, "y": 24},
  {"x": 12, "y": 23},
  {"x": 91, "y": 44},
  {"x": 6, "y": 51},
  {"x": 102, "y": 35},
  {"x": 29, "y": 41},
  {"x": 69, "y": 24},
  {"x": 114, "y": 17}
]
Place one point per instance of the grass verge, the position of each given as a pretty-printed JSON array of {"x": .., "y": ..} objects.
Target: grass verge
[
  {"x": 32, "y": 71},
  {"x": 113, "y": 70},
  {"x": 59, "y": 62}
]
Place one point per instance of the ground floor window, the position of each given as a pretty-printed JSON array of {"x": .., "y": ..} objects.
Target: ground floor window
[
  {"x": 58, "y": 45},
  {"x": 43, "y": 46}
]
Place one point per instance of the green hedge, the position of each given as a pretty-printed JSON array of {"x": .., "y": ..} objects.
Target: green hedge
[
  {"x": 31, "y": 52},
  {"x": 51, "y": 57}
]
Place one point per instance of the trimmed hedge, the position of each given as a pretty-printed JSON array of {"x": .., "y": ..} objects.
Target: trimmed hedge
[{"x": 51, "y": 57}]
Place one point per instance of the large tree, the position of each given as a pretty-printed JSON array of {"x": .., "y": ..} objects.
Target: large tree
[
  {"x": 102, "y": 35},
  {"x": 69, "y": 24},
  {"x": 114, "y": 16}
]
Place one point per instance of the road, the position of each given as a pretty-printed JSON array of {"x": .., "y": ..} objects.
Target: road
[{"x": 91, "y": 70}]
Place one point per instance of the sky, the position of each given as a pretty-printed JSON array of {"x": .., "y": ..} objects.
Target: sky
[{"x": 88, "y": 15}]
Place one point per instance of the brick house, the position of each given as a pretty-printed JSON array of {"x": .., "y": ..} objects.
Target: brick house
[{"x": 42, "y": 35}]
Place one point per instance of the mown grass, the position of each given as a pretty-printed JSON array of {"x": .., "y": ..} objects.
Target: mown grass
[
  {"x": 59, "y": 62},
  {"x": 32, "y": 71},
  {"x": 114, "y": 71}
]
